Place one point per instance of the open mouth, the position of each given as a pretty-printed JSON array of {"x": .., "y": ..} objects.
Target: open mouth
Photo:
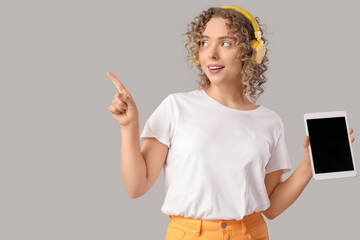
[{"x": 215, "y": 69}]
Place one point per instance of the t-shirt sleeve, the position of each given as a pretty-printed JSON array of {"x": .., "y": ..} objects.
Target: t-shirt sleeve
[
  {"x": 159, "y": 123},
  {"x": 279, "y": 158}
]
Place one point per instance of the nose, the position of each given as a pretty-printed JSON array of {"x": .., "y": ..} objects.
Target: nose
[{"x": 213, "y": 52}]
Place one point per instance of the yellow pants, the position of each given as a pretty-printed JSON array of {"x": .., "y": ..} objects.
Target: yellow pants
[{"x": 251, "y": 227}]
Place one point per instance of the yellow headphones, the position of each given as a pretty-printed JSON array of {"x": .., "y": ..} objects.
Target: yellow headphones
[{"x": 257, "y": 44}]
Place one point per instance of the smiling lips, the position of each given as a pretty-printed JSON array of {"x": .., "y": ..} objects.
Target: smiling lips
[{"x": 215, "y": 68}]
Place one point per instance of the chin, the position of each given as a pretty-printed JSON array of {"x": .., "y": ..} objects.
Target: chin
[{"x": 215, "y": 79}]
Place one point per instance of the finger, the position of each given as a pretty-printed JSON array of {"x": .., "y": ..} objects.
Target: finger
[
  {"x": 306, "y": 142},
  {"x": 119, "y": 101},
  {"x": 119, "y": 107},
  {"x": 116, "y": 82},
  {"x": 352, "y": 139},
  {"x": 125, "y": 97},
  {"x": 351, "y": 130},
  {"x": 113, "y": 109}
]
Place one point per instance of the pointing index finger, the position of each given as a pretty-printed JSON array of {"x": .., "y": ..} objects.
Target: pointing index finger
[{"x": 116, "y": 81}]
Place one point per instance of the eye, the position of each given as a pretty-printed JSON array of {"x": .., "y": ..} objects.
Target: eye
[
  {"x": 202, "y": 43},
  {"x": 227, "y": 43}
]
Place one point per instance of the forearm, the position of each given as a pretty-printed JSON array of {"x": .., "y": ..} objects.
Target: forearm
[
  {"x": 133, "y": 165},
  {"x": 288, "y": 191}
]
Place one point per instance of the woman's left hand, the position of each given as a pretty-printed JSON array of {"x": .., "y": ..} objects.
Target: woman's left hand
[{"x": 306, "y": 146}]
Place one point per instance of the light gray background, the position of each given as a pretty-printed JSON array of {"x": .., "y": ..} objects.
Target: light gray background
[{"x": 60, "y": 147}]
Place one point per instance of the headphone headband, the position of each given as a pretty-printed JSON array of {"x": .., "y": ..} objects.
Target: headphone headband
[{"x": 248, "y": 16}]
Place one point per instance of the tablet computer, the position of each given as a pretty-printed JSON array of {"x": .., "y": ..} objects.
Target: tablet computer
[{"x": 330, "y": 149}]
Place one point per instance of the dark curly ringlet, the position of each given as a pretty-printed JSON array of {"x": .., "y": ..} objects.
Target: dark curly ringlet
[{"x": 242, "y": 28}]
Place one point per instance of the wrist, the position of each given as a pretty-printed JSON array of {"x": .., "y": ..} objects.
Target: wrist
[{"x": 130, "y": 126}]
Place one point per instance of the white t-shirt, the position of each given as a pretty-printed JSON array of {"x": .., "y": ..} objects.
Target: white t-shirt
[{"x": 218, "y": 156}]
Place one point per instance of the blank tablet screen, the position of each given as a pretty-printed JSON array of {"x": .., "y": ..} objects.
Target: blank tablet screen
[{"x": 330, "y": 145}]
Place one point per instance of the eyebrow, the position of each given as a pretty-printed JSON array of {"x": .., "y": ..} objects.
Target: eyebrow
[{"x": 223, "y": 37}]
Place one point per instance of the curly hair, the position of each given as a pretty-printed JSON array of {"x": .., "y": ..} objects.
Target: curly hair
[{"x": 252, "y": 74}]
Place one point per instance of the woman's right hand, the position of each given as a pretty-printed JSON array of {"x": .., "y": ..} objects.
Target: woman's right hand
[{"x": 123, "y": 107}]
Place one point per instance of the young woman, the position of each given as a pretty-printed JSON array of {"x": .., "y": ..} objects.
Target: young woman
[{"x": 223, "y": 155}]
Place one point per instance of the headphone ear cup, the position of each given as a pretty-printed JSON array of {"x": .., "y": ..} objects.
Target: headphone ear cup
[{"x": 259, "y": 50}]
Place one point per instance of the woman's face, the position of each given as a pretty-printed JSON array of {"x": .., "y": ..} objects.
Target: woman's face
[{"x": 217, "y": 46}]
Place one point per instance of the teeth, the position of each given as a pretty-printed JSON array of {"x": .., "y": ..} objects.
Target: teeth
[{"x": 215, "y": 67}]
